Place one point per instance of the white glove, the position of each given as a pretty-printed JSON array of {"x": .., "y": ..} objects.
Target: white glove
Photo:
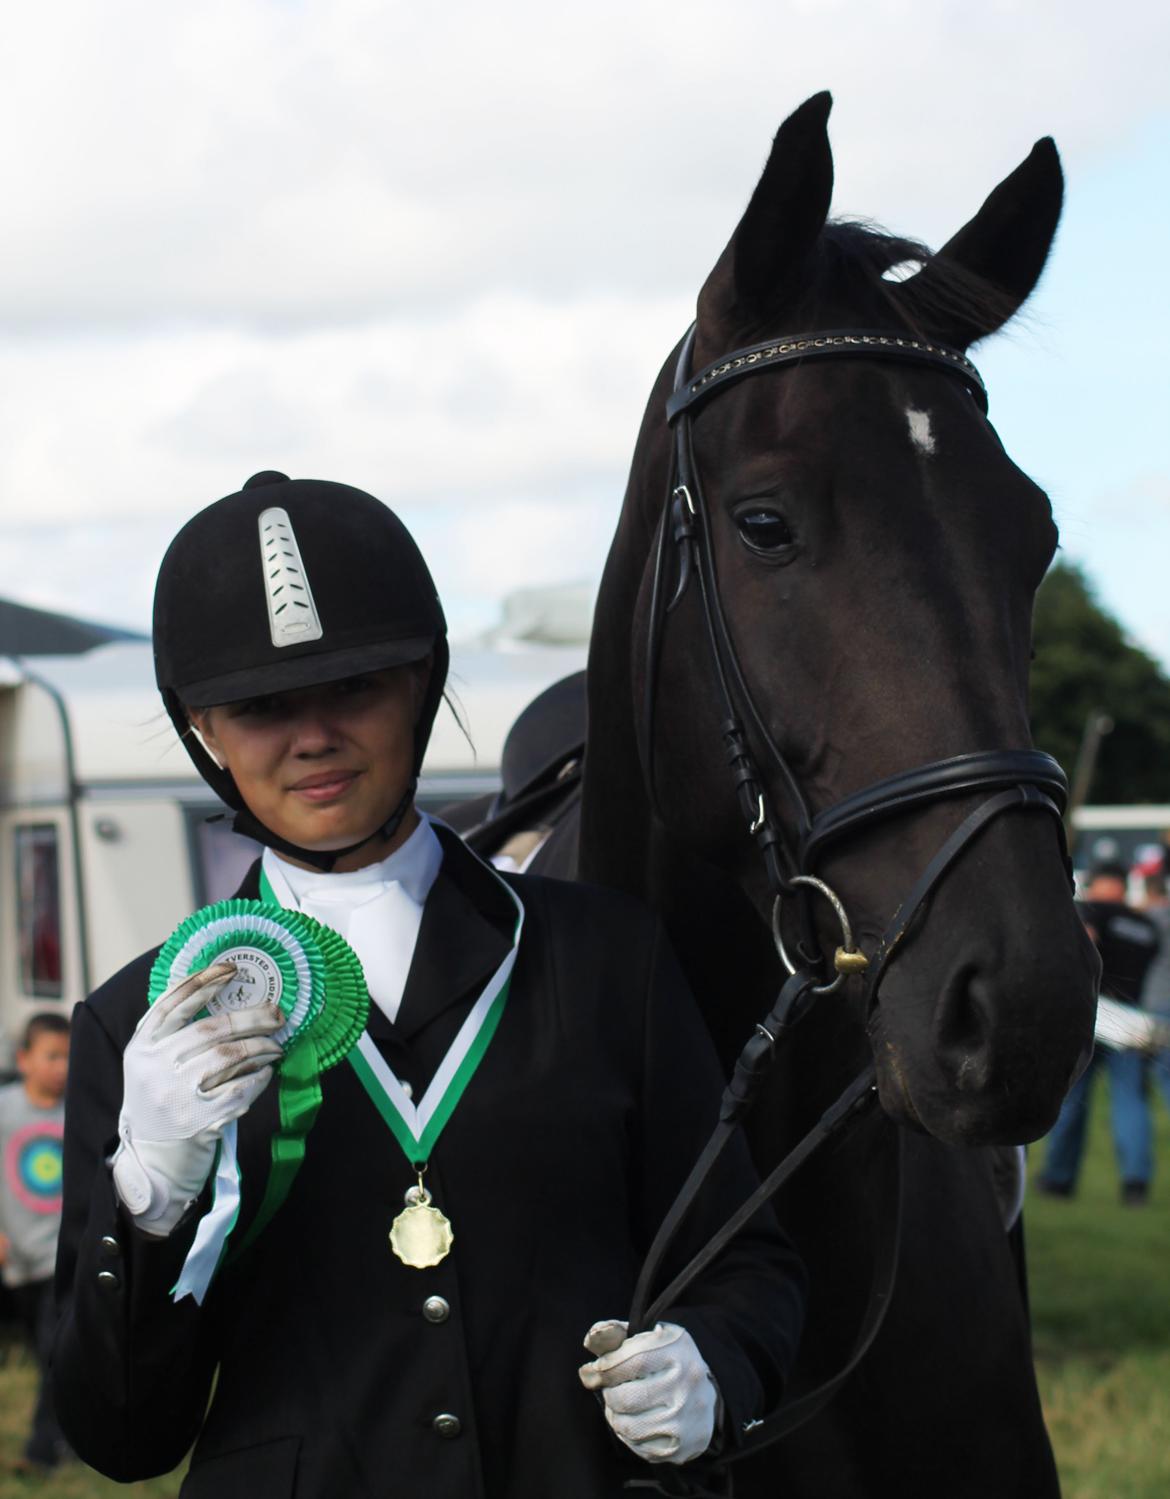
[
  {"x": 184, "y": 1079},
  {"x": 660, "y": 1397}
]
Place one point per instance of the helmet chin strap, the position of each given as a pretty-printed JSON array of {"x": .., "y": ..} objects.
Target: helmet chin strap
[{"x": 250, "y": 826}]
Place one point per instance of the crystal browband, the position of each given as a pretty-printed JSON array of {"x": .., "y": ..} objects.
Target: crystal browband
[{"x": 790, "y": 348}]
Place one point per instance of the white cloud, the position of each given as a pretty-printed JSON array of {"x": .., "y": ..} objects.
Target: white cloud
[
  {"x": 506, "y": 395},
  {"x": 103, "y": 571},
  {"x": 502, "y": 434},
  {"x": 441, "y": 252},
  {"x": 254, "y": 161}
]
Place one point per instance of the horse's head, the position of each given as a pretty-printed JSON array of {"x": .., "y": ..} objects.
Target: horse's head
[{"x": 876, "y": 553}]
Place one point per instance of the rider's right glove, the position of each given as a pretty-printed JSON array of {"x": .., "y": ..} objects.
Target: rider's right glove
[
  {"x": 660, "y": 1397},
  {"x": 184, "y": 1079}
]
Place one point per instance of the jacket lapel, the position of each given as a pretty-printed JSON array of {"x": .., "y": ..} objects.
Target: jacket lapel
[{"x": 465, "y": 935}]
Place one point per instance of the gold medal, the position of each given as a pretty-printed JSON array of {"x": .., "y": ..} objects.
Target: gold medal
[{"x": 421, "y": 1236}]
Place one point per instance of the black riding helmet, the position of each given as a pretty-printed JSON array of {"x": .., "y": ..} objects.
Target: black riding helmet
[{"x": 291, "y": 583}]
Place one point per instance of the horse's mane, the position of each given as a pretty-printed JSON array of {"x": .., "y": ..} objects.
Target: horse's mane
[{"x": 859, "y": 253}]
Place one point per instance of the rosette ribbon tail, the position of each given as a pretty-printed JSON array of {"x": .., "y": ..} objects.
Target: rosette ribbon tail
[
  {"x": 215, "y": 1227},
  {"x": 281, "y": 957},
  {"x": 300, "y": 1099}
]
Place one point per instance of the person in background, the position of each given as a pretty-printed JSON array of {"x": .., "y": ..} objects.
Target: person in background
[
  {"x": 1156, "y": 985},
  {"x": 32, "y": 1123},
  {"x": 1128, "y": 943}
]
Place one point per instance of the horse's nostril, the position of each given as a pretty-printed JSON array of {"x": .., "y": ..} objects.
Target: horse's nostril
[{"x": 963, "y": 1030}]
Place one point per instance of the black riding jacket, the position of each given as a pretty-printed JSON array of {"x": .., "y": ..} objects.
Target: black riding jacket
[{"x": 597, "y": 1092}]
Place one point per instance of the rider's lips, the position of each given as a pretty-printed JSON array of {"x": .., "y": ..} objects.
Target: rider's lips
[{"x": 324, "y": 785}]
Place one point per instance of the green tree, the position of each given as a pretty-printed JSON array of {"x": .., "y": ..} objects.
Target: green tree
[{"x": 1083, "y": 662}]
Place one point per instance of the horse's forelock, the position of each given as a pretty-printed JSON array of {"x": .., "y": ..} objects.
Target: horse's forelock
[{"x": 855, "y": 255}]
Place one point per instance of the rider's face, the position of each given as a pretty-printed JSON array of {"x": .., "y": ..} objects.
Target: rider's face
[{"x": 323, "y": 767}]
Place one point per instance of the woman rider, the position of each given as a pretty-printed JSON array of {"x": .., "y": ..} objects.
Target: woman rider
[{"x": 301, "y": 652}]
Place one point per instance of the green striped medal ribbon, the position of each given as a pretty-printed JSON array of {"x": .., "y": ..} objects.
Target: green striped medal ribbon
[{"x": 421, "y": 1235}]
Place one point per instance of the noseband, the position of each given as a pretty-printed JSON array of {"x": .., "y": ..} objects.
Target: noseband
[{"x": 1023, "y": 778}]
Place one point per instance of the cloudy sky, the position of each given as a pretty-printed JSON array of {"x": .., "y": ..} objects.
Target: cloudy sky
[{"x": 440, "y": 252}]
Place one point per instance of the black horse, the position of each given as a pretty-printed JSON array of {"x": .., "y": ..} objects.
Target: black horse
[{"x": 874, "y": 555}]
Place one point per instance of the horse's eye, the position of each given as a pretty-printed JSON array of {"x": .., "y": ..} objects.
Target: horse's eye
[{"x": 764, "y": 530}]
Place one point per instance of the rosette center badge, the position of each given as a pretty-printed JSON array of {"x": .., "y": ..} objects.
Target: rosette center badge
[{"x": 257, "y": 981}]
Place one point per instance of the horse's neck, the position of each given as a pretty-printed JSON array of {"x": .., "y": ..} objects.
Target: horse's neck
[
  {"x": 719, "y": 939},
  {"x": 615, "y": 830}
]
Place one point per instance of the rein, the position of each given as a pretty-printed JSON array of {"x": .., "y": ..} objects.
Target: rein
[{"x": 1019, "y": 779}]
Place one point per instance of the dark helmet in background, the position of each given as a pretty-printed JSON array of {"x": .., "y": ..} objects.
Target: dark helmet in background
[
  {"x": 546, "y": 743},
  {"x": 540, "y": 770},
  {"x": 291, "y": 583}
]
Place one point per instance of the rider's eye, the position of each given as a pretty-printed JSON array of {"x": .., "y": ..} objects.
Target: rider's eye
[
  {"x": 256, "y": 707},
  {"x": 764, "y": 530}
]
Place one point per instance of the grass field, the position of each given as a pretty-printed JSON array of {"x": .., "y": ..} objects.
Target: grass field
[
  {"x": 1100, "y": 1276},
  {"x": 18, "y": 1385}
]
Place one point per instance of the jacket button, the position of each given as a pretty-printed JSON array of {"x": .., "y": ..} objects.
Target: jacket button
[
  {"x": 108, "y": 1280},
  {"x": 447, "y": 1426},
  {"x": 109, "y": 1246},
  {"x": 436, "y": 1309}
]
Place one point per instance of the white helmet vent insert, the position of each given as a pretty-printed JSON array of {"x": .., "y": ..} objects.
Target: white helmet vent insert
[{"x": 292, "y": 614}]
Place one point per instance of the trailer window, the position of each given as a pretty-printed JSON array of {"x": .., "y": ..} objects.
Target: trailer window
[{"x": 38, "y": 911}]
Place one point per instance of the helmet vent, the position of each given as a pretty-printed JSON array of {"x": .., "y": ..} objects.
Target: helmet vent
[{"x": 292, "y": 614}]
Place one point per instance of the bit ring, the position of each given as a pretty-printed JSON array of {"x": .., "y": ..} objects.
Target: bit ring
[{"x": 847, "y": 959}]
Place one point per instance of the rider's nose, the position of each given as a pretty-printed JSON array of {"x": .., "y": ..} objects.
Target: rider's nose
[{"x": 314, "y": 733}]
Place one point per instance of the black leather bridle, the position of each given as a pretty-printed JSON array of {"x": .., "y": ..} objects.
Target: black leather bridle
[
  {"x": 1020, "y": 778},
  {"x": 1023, "y": 779}
]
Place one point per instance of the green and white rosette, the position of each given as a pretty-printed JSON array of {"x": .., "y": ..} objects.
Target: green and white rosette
[{"x": 316, "y": 979}]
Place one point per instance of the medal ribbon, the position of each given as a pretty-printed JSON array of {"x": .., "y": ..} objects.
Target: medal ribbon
[{"x": 416, "y": 1128}]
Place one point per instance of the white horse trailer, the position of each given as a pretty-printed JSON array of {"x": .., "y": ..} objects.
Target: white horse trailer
[{"x": 105, "y": 843}]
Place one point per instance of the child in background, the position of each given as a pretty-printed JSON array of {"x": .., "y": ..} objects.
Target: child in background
[{"x": 32, "y": 1120}]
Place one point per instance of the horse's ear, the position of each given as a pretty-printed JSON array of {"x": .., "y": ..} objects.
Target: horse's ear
[
  {"x": 1001, "y": 252},
  {"x": 762, "y": 266}
]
